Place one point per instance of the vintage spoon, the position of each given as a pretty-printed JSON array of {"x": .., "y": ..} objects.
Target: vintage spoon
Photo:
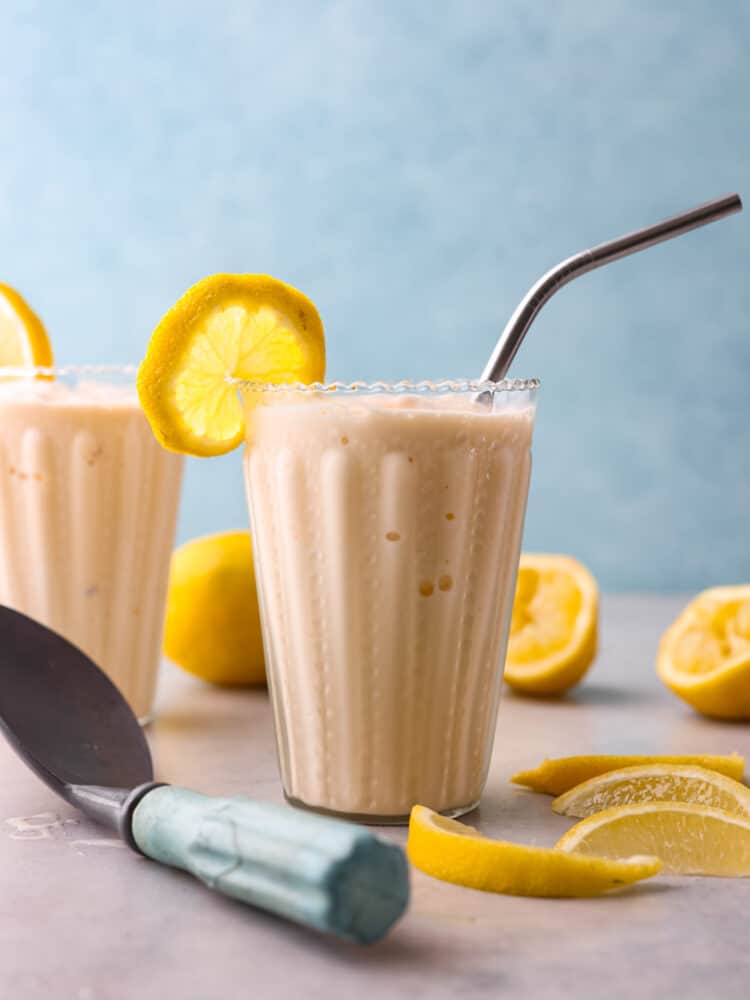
[{"x": 70, "y": 724}]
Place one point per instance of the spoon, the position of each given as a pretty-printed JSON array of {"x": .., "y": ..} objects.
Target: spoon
[
  {"x": 67, "y": 721},
  {"x": 587, "y": 260}
]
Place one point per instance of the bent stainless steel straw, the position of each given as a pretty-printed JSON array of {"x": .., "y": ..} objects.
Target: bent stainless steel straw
[{"x": 587, "y": 260}]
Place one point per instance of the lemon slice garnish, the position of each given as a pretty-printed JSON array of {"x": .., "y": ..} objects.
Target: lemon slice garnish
[
  {"x": 23, "y": 339},
  {"x": 690, "y": 839},
  {"x": 704, "y": 656},
  {"x": 553, "y": 630},
  {"x": 228, "y": 326},
  {"x": 655, "y": 783},
  {"x": 559, "y": 774},
  {"x": 457, "y": 853}
]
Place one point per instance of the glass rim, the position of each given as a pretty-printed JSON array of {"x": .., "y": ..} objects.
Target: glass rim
[
  {"x": 34, "y": 371},
  {"x": 403, "y": 386}
]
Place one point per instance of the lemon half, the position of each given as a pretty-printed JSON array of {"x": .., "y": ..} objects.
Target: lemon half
[
  {"x": 553, "y": 630},
  {"x": 558, "y": 774},
  {"x": 704, "y": 657},
  {"x": 212, "y": 623}
]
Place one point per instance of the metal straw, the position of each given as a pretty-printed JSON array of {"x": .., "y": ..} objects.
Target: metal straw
[{"x": 543, "y": 290}]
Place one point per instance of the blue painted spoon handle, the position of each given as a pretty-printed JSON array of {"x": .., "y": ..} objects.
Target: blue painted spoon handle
[{"x": 333, "y": 876}]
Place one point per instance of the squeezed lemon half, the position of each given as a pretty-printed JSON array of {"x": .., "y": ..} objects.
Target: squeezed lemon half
[
  {"x": 23, "y": 339},
  {"x": 704, "y": 656},
  {"x": 553, "y": 630},
  {"x": 455, "y": 852},
  {"x": 228, "y": 326},
  {"x": 558, "y": 774}
]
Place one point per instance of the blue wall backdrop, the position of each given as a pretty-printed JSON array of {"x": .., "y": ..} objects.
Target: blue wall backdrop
[{"x": 413, "y": 166}]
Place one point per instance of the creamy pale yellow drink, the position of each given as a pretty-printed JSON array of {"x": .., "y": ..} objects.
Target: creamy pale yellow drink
[
  {"x": 88, "y": 502},
  {"x": 387, "y": 529}
]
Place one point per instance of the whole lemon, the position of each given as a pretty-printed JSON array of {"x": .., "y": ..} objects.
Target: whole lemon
[{"x": 212, "y": 626}]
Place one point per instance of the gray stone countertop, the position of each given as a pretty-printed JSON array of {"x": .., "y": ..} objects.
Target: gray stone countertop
[{"x": 83, "y": 918}]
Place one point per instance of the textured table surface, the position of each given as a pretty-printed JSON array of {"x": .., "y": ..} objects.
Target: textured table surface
[{"x": 83, "y": 918}]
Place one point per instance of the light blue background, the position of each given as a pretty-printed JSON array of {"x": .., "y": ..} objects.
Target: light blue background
[{"x": 413, "y": 166}]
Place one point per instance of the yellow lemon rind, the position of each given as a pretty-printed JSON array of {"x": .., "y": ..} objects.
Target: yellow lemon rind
[
  {"x": 457, "y": 853},
  {"x": 557, "y": 775}
]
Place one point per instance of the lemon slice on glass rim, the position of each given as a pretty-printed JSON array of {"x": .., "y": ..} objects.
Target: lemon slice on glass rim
[
  {"x": 23, "y": 339},
  {"x": 247, "y": 327}
]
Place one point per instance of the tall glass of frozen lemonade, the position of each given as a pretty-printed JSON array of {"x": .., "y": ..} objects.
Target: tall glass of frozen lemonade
[
  {"x": 88, "y": 503},
  {"x": 387, "y": 524}
]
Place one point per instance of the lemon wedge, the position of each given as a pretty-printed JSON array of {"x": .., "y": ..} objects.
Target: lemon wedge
[
  {"x": 690, "y": 839},
  {"x": 228, "y": 326},
  {"x": 553, "y": 629},
  {"x": 23, "y": 339},
  {"x": 559, "y": 774},
  {"x": 655, "y": 783},
  {"x": 455, "y": 852},
  {"x": 704, "y": 656}
]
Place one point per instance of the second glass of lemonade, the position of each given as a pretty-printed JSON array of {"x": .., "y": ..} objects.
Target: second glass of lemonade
[
  {"x": 387, "y": 523},
  {"x": 88, "y": 505}
]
